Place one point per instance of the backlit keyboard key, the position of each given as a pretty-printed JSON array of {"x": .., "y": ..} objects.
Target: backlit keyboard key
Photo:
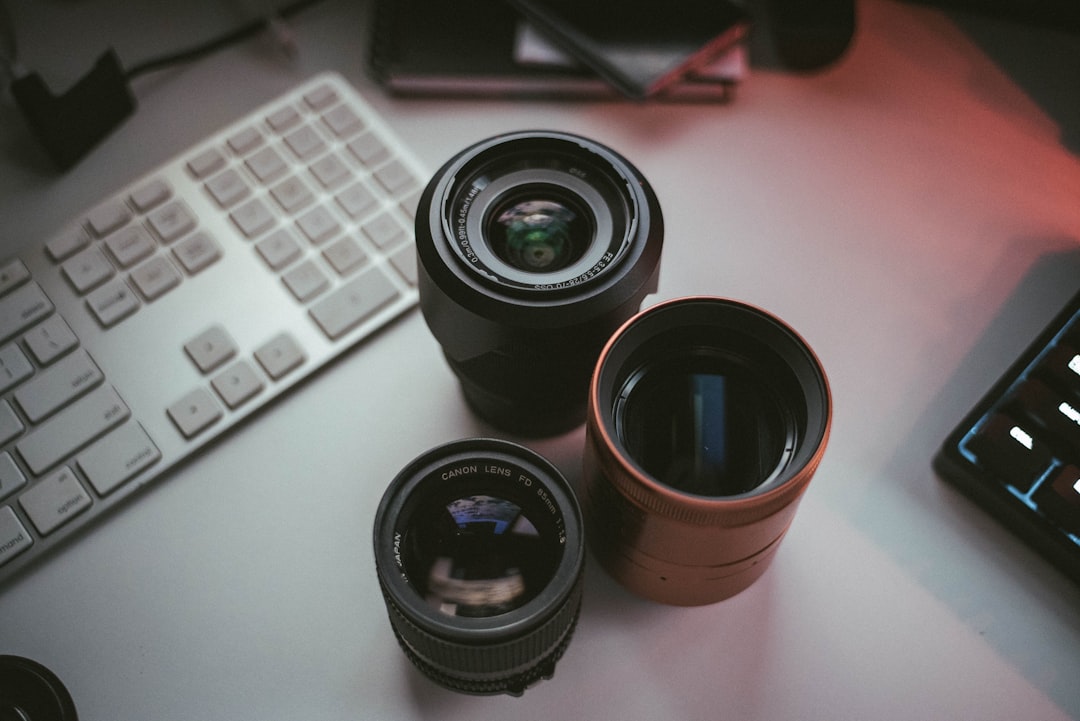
[
  {"x": 1059, "y": 497},
  {"x": 1011, "y": 451}
]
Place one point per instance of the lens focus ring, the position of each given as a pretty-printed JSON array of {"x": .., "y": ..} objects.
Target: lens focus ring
[{"x": 480, "y": 556}]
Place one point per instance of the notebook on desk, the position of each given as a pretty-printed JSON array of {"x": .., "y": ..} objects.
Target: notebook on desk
[{"x": 483, "y": 48}]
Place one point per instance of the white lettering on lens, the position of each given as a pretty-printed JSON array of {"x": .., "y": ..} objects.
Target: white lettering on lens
[
  {"x": 1023, "y": 437},
  {"x": 1074, "y": 364},
  {"x": 459, "y": 471}
]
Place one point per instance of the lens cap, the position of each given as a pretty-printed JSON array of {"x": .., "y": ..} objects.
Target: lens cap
[{"x": 31, "y": 692}]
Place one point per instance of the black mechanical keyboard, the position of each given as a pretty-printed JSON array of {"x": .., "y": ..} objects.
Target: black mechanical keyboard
[{"x": 1017, "y": 453}]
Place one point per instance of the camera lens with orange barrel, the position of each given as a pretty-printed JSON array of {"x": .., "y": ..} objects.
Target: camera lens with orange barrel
[{"x": 707, "y": 418}]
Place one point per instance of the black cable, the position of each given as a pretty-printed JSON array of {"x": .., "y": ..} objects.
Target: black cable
[{"x": 241, "y": 33}]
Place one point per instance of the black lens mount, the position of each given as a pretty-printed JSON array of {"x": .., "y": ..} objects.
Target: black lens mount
[
  {"x": 533, "y": 248},
  {"x": 480, "y": 555}
]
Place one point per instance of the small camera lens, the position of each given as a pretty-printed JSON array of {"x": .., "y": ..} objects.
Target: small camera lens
[
  {"x": 532, "y": 249},
  {"x": 707, "y": 419},
  {"x": 479, "y": 552}
]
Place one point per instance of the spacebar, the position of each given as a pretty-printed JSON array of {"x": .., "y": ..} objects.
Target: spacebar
[{"x": 72, "y": 428}]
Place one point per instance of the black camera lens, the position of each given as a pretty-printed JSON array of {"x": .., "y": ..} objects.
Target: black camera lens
[
  {"x": 31, "y": 692},
  {"x": 533, "y": 249},
  {"x": 480, "y": 555}
]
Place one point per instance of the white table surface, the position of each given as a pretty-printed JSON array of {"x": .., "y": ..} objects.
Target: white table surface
[{"x": 914, "y": 212}]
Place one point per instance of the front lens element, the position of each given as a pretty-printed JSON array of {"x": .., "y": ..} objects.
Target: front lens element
[
  {"x": 479, "y": 552},
  {"x": 539, "y": 232},
  {"x": 704, "y": 426}
]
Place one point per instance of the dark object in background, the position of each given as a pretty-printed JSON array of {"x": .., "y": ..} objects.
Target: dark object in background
[
  {"x": 640, "y": 48},
  {"x": 810, "y": 35},
  {"x": 480, "y": 557},
  {"x": 31, "y": 692},
  {"x": 69, "y": 125},
  {"x": 533, "y": 248}
]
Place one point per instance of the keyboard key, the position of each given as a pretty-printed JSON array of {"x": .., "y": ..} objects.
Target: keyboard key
[
  {"x": 210, "y": 349},
  {"x": 14, "y": 539},
  {"x": 321, "y": 97},
  {"x": 345, "y": 255},
  {"x": 245, "y": 141},
  {"x": 14, "y": 367},
  {"x": 50, "y": 339},
  {"x": 329, "y": 170},
  {"x": 292, "y": 194},
  {"x": 22, "y": 308},
  {"x": 151, "y": 195},
  {"x": 171, "y": 221},
  {"x": 53, "y": 389},
  {"x": 278, "y": 249},
  {"x": 342, "y": 121},
  {"x": 10, "y": 425},
  {"x": 72, "y": 428},
  {"x": 228, "y": 188},
  {"x": 353, "y": 302},
  {"x": 253, "y": 217},
  {"x": 304, "y": 142},
  {"x": 205, "y": 163},
  {"x": 1050, "y": 410},
  {"x": 369, "y": 149},
  {"x": 404, "y": 262},
  {"x": 11, "y": 478},
  {"x": 385, "y": 231},
  {"x": 283, "y": 119},
  {"x": 279, "y": 356},
  {"x": 108, "y": 217},
  {"x": 318, "y": 225},
  {"x": 306, "y": 281},
  {"x": 118, "y": 457},
  {"x": 155, "y": 277},
  {"x": 1059, "y": 498},
  {"x": 395, "y": 177},
  {"x": 13, "y": 274},
  {"x": 130, "y": 245},
  {"x": 1011, "y": 451},
  {"x": 266, "y": 165},
  {"x": 357, "y": 200},
  {"x": 195, "y": 412},
  {"x": 88, "y": 269},
  {"x": 113, "y": 302},
  {"x": 54, "y": 501},
  {"x": 197, "y": 252},
  {"x": 237, "y": 384},
  {"x": 1061, "y": 368},
  {"x": 64, "y": 246}
]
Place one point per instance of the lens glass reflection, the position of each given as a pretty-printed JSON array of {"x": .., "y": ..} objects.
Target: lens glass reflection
[
  {"x": 538, "y": 231},
  {"x": 704, "y": 426},
  {"x": 478, "y": 556}
]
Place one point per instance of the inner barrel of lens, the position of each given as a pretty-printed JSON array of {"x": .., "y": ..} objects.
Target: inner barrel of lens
[
  {"x": 479, "y": 553},
  {"x": 707, "y": 418},
  {"x": 705, "y": 424}
]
